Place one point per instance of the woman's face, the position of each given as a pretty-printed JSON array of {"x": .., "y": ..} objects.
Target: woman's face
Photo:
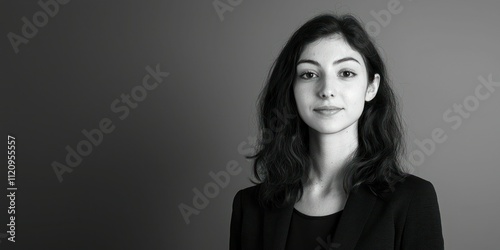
[{"x": 331, "y": 73}]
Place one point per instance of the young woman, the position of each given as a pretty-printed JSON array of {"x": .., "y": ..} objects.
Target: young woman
[{"x": 329, "y": 163}]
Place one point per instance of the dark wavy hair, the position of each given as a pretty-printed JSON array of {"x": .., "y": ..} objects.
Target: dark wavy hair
[{"x": 282, "y": 158}]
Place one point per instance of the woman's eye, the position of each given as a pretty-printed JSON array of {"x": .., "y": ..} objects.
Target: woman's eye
[
  {"x": 307, "y": 75},
  {"x": 347, "y": 74}
]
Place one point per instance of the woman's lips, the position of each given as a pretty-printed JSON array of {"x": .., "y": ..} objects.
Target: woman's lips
[{"x": 328, "y": 112}]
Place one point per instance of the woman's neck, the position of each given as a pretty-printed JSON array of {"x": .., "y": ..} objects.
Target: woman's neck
[{"x": 329, "y": 153}]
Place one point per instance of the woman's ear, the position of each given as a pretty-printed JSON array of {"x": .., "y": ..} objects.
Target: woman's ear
[{"x": 372, "y": 88}]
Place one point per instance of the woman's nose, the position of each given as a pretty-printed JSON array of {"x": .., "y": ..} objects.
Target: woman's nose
[
  {"x": 326, "y": 93},
  {"x": 327, "y": 88}
]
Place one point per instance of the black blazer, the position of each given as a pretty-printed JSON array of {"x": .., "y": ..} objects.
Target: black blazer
[{"x": 409, "y": 218}]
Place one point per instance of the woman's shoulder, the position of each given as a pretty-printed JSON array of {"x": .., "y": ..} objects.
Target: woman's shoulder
[
  {"x": 249, "y": 192},
  {"x": 413, "y": 186},
  {"x": 412, "y": 182},
  {"x": 247, "y": 198}
]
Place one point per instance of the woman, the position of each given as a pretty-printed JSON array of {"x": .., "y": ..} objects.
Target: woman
[{"x": 330, "y": 175}]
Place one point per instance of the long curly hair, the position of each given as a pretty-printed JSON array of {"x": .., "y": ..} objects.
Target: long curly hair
[{"x": 282, "y": 158}]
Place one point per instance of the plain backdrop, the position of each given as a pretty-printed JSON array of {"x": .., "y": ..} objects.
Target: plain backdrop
[{"x": 126, "y": 193}]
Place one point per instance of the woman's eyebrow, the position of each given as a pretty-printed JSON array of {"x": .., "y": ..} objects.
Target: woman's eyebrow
[{"x": 335, "y": 62}]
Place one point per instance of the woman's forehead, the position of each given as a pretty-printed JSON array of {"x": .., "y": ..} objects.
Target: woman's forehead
[{"x": 327, "y": 48}]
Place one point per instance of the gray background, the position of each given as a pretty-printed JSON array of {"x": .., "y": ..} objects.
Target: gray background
[{"x": 125, "y": 194}]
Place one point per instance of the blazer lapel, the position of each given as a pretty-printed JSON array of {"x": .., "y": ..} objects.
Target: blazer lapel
[{"x": 357, "y": 209}]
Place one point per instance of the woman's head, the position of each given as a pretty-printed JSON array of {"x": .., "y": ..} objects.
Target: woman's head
[
  {"x": 332, "y": 76},
  {"x": 282, "y": 158}
]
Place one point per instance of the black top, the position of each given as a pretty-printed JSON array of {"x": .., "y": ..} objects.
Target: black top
[{"x": 311, "y": 232}]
